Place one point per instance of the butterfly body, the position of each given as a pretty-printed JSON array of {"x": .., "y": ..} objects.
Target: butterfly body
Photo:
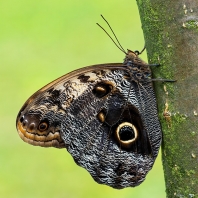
[{"x": 106, "y": 117}]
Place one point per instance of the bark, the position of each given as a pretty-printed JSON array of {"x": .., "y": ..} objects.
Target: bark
[{"x": 171, "y": 37}]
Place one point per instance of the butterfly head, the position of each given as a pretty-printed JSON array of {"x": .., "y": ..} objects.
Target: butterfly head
[
  {"x": 133, "y": 58},
  {"x": 132, "y": 55},
  {"x": 37, "y": 123}
]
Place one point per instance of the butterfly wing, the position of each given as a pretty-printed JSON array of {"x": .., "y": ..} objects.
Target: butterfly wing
[{"x": 106, "y": 120}]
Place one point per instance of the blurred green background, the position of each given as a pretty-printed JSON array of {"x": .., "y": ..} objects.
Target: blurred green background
[{"x": 41, "y": 40}]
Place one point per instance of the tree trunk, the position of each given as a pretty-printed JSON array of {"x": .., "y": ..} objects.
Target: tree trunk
[{"x": 171, "y": 36}]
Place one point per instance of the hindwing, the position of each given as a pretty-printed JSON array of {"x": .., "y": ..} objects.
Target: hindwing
[{"x": 105, "y": 118}]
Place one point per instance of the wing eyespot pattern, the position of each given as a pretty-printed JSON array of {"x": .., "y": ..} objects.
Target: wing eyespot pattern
[
  {"x": 102, "y": 89},
  {"x": 101, "y": 115},
  {"x": 43, "y": 126},
  {"x": 126, "y": 134}
]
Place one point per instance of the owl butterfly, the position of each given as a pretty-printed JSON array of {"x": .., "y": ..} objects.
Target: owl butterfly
[{"x": 104, "y": 115}]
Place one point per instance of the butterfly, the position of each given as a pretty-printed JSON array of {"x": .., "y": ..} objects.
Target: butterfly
[{"x": 104, "y": 115}]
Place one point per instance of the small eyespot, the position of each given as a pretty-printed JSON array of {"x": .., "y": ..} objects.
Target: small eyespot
[
  {"x": 102, "y": 89},
  {"x": 24, "y": 123},
  {"x": 32, "y": 126},
  {"x": 126, "y": 134},
  {"x": 101, "y": 115},
  {"x": 21, "y": 119},
  {"x": 43, "y": 126}
]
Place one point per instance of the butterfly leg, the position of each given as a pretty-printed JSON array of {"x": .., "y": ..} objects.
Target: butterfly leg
[
  {"x": 161, "y": 79},
  {"x": 154, "y": 65}
]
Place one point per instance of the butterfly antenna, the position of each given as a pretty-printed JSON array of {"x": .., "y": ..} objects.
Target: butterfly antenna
[
  {"x": 112, "y": 32},
  {"x": 142, "y": 50},
  {"x": 111, "y": 38},
  {"x": 119, "y": 46}
]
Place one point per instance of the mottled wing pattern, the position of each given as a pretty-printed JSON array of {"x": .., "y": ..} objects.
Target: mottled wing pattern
[
  {"x": 92, "y": 142},
  {"x": 104, "y": 116}
]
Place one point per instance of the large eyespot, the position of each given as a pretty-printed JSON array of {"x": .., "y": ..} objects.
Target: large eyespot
[
  {"x": 126, "y": 134},
  {"x": 102, "y": 89},
  {"x": 43, "y": 126}
]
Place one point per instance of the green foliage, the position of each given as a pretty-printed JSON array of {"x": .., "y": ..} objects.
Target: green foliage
[{"x": 41, "y": 40}]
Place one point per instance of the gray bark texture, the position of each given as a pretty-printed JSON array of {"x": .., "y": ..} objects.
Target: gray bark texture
[{"x": 171, "y": 37}]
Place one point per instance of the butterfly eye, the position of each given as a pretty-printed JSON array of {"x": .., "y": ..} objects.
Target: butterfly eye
[
  {"x": 102, "y": 89},
  {"x": 43, "y": 126},
  {"x": 126, "y": 134},
  {"x": 137, "y": 52}
]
